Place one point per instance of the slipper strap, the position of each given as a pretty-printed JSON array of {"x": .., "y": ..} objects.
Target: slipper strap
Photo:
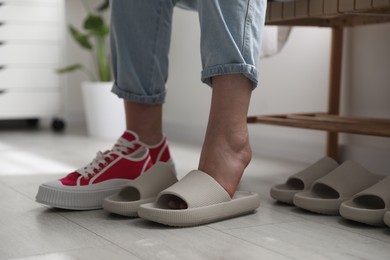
[
  {"x": 157, "y": 178},
  {"x": 315, "y": 171},
  {"x": 348, "y": 179},
  {"x": 197, "y": 189},
  {"x": 380, "y": 189}
]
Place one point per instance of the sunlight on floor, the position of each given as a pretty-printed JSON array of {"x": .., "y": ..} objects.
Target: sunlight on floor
[{"x": 13, "y": 161}]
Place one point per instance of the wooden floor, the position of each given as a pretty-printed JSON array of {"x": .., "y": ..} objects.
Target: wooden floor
[{"x": 31, "y": 231}]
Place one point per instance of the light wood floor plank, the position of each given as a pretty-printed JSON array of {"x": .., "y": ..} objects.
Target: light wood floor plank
[
  {"x": 308, "y": 240},
  {"x": 96, "y": 253},
  {"x": 29, "y": 229},
  {"x": 151, "y": 241}
]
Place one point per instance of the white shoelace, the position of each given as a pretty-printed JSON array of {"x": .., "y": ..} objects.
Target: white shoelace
[{"x": 122, "y": 146}]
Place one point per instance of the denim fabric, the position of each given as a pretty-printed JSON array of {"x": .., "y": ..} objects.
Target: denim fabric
[{"x": 140, "y": 40}]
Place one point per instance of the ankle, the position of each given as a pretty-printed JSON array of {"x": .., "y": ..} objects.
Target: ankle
[
  {"x": 145, "y": 120},
  {"x": 238, "y": 149},
  {"x": 150, "y": 138},
  {"x": 225, "y": 159},
  {"x": 235, "y": 139}
]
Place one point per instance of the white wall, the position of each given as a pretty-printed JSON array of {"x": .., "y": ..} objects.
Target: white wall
[{"x": 367, "y": 92}]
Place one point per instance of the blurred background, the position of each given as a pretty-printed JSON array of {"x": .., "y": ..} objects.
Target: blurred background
[{"x": 295, "y": 80}]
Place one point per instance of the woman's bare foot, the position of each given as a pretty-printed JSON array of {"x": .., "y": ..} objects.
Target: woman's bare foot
[
  {"x": 226, "y": 151},
  {"x": 225, "y": 158}
]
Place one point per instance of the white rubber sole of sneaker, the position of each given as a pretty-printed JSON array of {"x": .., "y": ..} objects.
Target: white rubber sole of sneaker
[{"x": 75, "y": 199}]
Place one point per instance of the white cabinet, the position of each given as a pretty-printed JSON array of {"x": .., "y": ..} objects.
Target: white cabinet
[{"x": 30, "y": 51}]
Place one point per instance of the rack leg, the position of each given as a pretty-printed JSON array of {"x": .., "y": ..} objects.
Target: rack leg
[{"x": 335, "y": 74}]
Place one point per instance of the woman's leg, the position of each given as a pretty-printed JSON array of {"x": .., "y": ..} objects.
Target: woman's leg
[
  {"x": 230, "y": 51},
  {"x": 230, "y": 41},
  {"x": 145, "y": 120},
  {"x": 230, "y": 44},
  {"x": 226, "y": 151},
  {"x": 140, "y": 39},
  {"x": 140, "y": 35}
]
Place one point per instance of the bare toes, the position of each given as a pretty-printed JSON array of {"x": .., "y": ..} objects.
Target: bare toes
[{"x": 177, "y": 203}]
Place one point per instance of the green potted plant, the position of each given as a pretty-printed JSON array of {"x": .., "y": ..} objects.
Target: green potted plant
[
  {"x": 104, "y": 112},
  {"x": 94, "y": 39}
]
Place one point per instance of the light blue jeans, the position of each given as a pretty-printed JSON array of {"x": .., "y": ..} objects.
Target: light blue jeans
[{"x": 140, "y": 39}]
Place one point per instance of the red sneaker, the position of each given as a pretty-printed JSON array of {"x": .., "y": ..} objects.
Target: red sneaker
[{"x": 86, "y": 187}]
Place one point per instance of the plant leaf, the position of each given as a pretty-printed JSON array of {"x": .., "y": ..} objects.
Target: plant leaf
[
  {"x": 80, "y": 38},
  {"x": 94, "y": 23},
  {"x": 69, "y": 68}
]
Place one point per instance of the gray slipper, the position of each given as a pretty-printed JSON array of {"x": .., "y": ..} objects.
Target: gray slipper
[
  {"x": 370, "y": 205},
  {"x": 206, "y": 202},
  {"x": 327, "y": 193},
  {"x": 387, "y": 218},
  {"x": 142, "y": 190},
  {"x": 302, "y": 180}
]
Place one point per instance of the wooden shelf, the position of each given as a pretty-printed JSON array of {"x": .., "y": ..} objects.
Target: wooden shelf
[
  {"x": 328, "y": 13},
  {"x": 327, "y": 122}
]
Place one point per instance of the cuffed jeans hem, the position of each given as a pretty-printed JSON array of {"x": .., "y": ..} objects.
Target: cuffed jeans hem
[
  {"x": 150, "y": 100},
  {"x": 248, "y": 71}
]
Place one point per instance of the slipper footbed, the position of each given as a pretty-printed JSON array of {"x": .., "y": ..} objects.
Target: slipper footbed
[
  {"x": 302, "y": 180},
  {"x": 242, "y": 203},
  {"x": 207, "y": 201},
  {"x": 370, "y": 205}
]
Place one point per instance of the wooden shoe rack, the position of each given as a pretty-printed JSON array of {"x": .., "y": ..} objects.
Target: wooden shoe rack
[{"x": 336, "y": 14}]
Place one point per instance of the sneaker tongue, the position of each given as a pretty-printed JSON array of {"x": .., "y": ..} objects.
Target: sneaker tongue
[{"x": 129, "y": 136}]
